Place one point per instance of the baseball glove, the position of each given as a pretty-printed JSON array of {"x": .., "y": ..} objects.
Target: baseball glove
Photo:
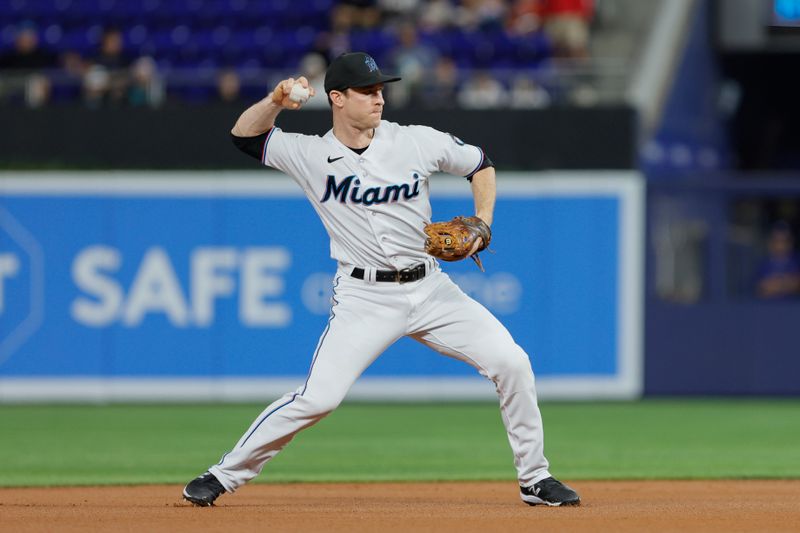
[{"x": 453, "y": 240}]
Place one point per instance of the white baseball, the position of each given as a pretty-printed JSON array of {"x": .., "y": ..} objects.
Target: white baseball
[{"x": 298, "y": 94}]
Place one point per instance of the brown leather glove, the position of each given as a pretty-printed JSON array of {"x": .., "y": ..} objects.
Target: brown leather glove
[{"x": 453, "y": 240}]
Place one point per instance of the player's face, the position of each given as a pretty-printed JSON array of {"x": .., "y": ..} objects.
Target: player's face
[{"x": 364, "y": 105}]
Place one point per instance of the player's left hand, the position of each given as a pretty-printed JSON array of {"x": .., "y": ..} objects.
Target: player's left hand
[{"x": 458, "y": 239}]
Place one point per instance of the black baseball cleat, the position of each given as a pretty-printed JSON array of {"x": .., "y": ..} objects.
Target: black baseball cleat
[
  {"x": 549, "y": 491},
  {"x": 203, "y": 490}
]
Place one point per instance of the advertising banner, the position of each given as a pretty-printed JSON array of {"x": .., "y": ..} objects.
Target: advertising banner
[{"x": 193, "y": 286}]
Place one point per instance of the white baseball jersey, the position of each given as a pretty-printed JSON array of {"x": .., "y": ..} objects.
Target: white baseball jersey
[{"x": 374, "y": 204}]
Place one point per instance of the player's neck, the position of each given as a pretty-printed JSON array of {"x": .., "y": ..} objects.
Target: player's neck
[{"x": 353, "y": 137}]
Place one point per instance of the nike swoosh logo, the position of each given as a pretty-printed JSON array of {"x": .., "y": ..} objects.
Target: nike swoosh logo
[{"x": 334, "y": 159}]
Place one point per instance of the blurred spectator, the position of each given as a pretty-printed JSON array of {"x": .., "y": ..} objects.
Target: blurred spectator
[
  {"x": 96, "y": 81},
  {"x": 37, "y": 90},
  {"x": 229, "y": 87},
  {"x": 348, "y": 14},
  {"x": 436, "y": 15},
  {"x": 412, "y": 61},
  {"x": 313, "y": 66},
  {"x": 567, "y": 25},
  {"x": 145, "y": 87},
  {"x": 71, "y": 78},
  {"x": 778, "y": 276},
  {"x": 484, "y": 15},
  {"x": 527, "y": 94},
  {"x": 26, "y": 61},
  {"x": 73, "y": 64},
  {"x": 482, "y": 91},
  {"x": 107, "y": 77},
  {"x": 394, "y": 10},
  {"x": 525, "y": 17},
  {"x": 583, "y": 94},
  {"x": 27, "y": 55},
  {"x": 111, "y": 54},
  {"x": 440, "y": 91}
]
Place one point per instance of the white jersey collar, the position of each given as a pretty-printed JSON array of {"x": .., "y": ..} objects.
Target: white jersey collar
[{"x": 335, "y": 140}]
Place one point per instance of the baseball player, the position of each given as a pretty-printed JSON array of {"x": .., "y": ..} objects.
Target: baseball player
[{"x": 367, "y": 179}]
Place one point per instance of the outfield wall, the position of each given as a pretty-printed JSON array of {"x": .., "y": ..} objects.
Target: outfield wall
[
  {"x": 151, "y": 286},
  {"x": 564, "y": 137}
]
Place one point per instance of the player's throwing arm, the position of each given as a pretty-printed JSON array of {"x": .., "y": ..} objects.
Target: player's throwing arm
[{"x": 290, "y": 93}]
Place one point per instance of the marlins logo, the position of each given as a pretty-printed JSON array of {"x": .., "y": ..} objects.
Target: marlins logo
[{"x": 371, "y": 65}]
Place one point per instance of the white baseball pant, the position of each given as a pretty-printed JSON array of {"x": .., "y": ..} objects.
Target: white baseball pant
[{"x": 366, "y": 318}]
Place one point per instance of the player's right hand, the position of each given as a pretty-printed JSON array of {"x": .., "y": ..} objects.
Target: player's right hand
[{"x": 280, "y": 95}]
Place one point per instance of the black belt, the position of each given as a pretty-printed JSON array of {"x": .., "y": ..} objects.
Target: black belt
[{"x": 400, "y": 276}]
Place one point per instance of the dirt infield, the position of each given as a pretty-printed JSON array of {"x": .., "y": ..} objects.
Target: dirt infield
[{"x": 475, "y": 506}]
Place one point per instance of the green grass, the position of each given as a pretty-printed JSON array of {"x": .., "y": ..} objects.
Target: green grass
[{"x": 121, "y": 444}]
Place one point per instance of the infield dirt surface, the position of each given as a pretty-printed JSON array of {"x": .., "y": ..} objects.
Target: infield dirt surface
[{"x": 452, "y": 506}]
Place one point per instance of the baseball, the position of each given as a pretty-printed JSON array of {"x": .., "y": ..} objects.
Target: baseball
[{"x": 298, "y": 94}]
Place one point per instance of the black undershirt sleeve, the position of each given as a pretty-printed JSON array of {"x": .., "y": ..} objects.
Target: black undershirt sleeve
[
  {"x": 485, "y": 164},
  {"x": 252, "y": 146}
]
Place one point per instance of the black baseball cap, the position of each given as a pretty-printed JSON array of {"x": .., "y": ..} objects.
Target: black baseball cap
[{"x": 354, "y": 69}]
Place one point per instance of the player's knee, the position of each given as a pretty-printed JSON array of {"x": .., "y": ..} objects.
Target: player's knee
[
  {"x": 513, "y": 364},
  {"x": 320, "y": 405}
]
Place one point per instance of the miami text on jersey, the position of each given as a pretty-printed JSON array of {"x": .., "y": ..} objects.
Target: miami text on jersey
[{"x": 373, "y": 195}]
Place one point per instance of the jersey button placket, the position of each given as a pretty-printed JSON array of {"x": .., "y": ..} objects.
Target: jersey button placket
[
  {"x": 364, "y": 177},
  {"x": 381, "y": 238},
  {"x": 382, "y": 243}
]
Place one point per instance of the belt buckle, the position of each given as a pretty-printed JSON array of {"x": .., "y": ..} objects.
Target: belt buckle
[
  {"x": 411, "y": 274},
  {"x": 405, "y": 275}
]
